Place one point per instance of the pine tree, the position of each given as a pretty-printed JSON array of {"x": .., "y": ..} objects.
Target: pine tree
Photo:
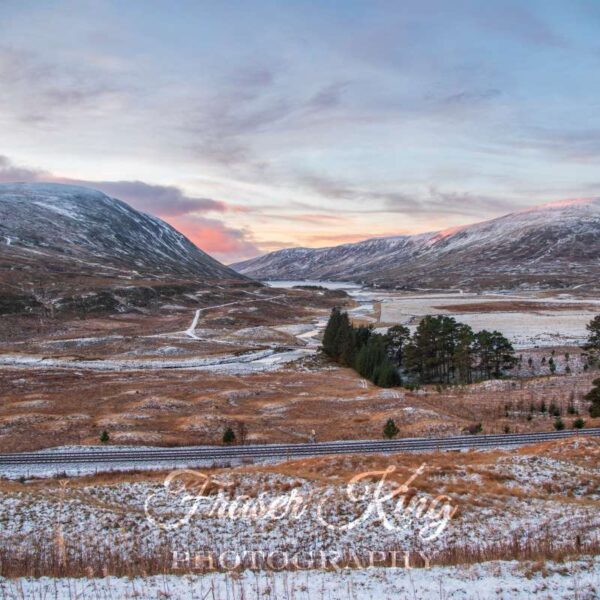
[
  {"x": 343, "y": 341},
  {"x": 361, "y": 363},
  {"x": 346, "y": 343},
  {"x": 104, "y": 437},
  {"x": 503, "y": 354},
  {"x": 371, "y": 356},
  {"x": 386, "y": 375},
  {"x": 484, "y": 353},
  {"x": 441, "y": 351},
  {"x": 578, "y": 423},
  {"x": 228, "y": 436},
  {"x": 331, "y": 333},
  {"x": 361, "y": 336},
  {"x": 430, "y": 353},
  {"x": 593, "y": 396},
  {"x": 593, "y": 342},
  {"x": 463, "y": 354},
  {"x": 558, "y": 424},
  {"x": 396, "y": 339},
  {"x": 390, "y": 430}
]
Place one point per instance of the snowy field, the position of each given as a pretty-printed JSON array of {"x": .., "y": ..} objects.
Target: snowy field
[
  {"x": 525, "y": 329},
  {"x": 503, "y": 498},
  {"x": 508, "y": 580},
  {"x": 347, "y": 286},
  {"x": 250, "y": 362},
  {"x": 564, "y": 325}
]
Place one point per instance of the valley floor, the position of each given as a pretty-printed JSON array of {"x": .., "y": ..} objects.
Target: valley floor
[
  {"x": 182, "y": 375},
  {"x": 526, "y": 521}
]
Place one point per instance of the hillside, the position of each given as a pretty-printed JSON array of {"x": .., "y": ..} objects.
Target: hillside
[
  {"x": 69, "y": 247},
  {"x": 553, "y": 245}
]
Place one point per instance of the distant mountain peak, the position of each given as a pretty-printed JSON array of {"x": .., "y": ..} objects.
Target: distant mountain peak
[
  {"x": 571, "y": 204},
  {"x": 551, "y": 245}
]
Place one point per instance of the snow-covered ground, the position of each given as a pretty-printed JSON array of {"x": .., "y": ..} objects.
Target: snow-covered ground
[
  {"x": 519, "y": 497},
  {"x": 508, "y": 580},
  {"x": 348, "y": 286},
  {"x": 524, "y": 329},
  {"x": 523, "y": 497},
  {"x": 261, "y": 360}
]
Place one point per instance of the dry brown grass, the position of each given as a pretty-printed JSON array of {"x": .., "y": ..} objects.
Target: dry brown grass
[
  {"x": 516, "y": 306},
  {"x": 44, "y": 561},
  {"x": 176, "y": 407},
  {"x": 51, "y": 407}
]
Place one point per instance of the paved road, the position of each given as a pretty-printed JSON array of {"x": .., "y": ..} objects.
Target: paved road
[{"x": 201, "y": 454}]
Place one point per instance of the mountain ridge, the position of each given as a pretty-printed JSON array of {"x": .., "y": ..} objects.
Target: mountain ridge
[
  {"x": 61, "y": 240},
  {"x": 551, "y": 245}
]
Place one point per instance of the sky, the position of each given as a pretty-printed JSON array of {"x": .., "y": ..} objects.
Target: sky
[{"x": 258, "y": 125}]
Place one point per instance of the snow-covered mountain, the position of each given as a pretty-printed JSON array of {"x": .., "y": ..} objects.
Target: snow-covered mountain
[
  {"x": 69, "y": 239},
  {"x": 553, "y": 245}
]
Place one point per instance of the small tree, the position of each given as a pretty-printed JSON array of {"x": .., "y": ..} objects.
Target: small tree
[
  {"x": 552, "y": 365},
  {"x": 593, "y": 342},
  {"x": 228, "y": 436},
  {"x": 474, "y": 429},
  {"x": 578, "y": 423},
  {"x": 390, "y": 430},
  {"x": 104, "y": 437},
  {"x": 558, "y": 424},
  {"x": 594, "y": 397}
]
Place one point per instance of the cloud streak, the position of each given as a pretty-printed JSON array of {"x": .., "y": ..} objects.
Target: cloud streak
[
  {"x": 432, "y": 201},
  {"x": 319, "y": 122},
  {"x": 39, "y": 91}
]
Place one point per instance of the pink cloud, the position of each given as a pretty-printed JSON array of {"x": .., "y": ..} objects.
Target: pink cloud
[
  {"x": 213, "y": 236},
  {"x": 169, "y": 203}
]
